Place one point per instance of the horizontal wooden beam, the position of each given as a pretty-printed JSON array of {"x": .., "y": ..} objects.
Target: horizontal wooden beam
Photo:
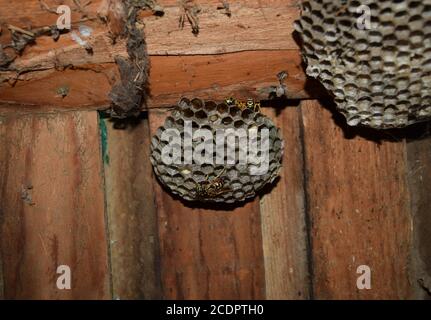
[
  {"x": 253, "y": 25},
  {"x": 240, "y": 56},
  {"x": 243, "y": 74}
]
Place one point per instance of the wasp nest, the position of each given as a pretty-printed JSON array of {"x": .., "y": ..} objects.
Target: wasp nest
[
  {"x": 213, "y": 152},
  {"x": 373, "y": 56}
]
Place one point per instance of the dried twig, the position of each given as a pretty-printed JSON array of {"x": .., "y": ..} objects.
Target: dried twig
[
  {"x": 21, "y": 37},
  {"x": 190, "y": 11},
  {"x": 45, "y": 7},
  {"x": 149, "y": 4},
  {"x": 81, "y": 7},
  {"x": 5, "y": 60},
  {"x": 225, "y": 6},
  {"x": 20, "y": 30}
]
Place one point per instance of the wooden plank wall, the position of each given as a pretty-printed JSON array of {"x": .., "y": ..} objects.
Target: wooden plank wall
[
  {"x": 132, "y": 211},
  {"x": 343, "y": 201},
  {"x": 74, "y": 190},
  {"x": 208, "y": 253},
  {"x": 52, "y": 207},
  {"x": 284, "y": 221},
  {"x": 419, "y": 177},
  {"x": 358, "y": 203}
]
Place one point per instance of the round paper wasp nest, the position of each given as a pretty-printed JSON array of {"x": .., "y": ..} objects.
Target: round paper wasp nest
[
  {"x": 373, "y": 56},
  {"x": 213, "y": 152}
]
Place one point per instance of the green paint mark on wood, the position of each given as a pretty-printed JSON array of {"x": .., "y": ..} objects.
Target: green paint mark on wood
[{"x": 104, "y": 138}]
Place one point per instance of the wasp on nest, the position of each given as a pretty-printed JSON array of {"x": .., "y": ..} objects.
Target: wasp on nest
[{"x": 217, "y": 152}]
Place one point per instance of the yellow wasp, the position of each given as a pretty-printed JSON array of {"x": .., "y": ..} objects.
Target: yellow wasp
[
  {"x": 211, "y": 188},
  {"x": 249, "y": 104}
]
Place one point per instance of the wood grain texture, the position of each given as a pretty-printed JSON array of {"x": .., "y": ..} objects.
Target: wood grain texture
[
  {"x": 239, "y": 56},
  {"x": 132, "y": 214},
  {"x": 208, "y": 254},
  {"x": 1, "y": 279},
  {"x": 254, "y": 25},
  {"x": 359, "y": 207},
  {"x": 41, "y": 96},
  {"x": 246, "y": 31},
  {"x": 52, "y": 207},
  {"x": 245, "y": 74},
  {"x": 284, "y": 231},
  {"x": 419, "y": 174},
  {"x": 2, "y": 169}
]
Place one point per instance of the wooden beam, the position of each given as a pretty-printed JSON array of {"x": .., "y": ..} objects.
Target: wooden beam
[
  {"x": 238, "y": 56},
  {"x": 245, "y": 74},
  {"x": 358, "y": 202},
  {"x": 52, "y": 207},
  {"x": 254, "y": 25},
  {"x": 261, "y": 28}
]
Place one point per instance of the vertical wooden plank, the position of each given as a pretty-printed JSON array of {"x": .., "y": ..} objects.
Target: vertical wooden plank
[
  {"x": 1, "y": 279},
  {"x": 131, "y": 212},
  {"x": 359, "y": 207},
  {"x": 283, "y": 217},
  {"x": 419, "y": 159},
  {"x": 52, "y": 205},
  {"x": 2, "y": 168},
  {"x": 208, "y": 253}
]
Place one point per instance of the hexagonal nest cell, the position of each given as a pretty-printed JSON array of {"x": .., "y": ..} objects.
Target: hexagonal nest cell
[
  {"x": 226, "y": 180},
  {"x": 380, "y": 72}
]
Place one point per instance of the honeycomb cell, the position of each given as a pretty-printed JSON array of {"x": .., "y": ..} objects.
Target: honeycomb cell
[
  {"x": 371, "y": 70},
  {"x": 197, "y": 104},
  {"x": 201, "y": 115},
  {"x": 210, "y": 106},
  {"x": 234, "y": 111},
  {"x": 222, "y": 109},
  {"x": 188, "y": 113},
  {"x": 232, "y": 179},
  {"x": 227, "y": 121}
]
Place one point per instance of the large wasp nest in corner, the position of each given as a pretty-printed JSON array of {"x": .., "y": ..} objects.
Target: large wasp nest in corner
[
  {"x": 211, "y": 152},
  {"x": 373, "y": 56}
]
